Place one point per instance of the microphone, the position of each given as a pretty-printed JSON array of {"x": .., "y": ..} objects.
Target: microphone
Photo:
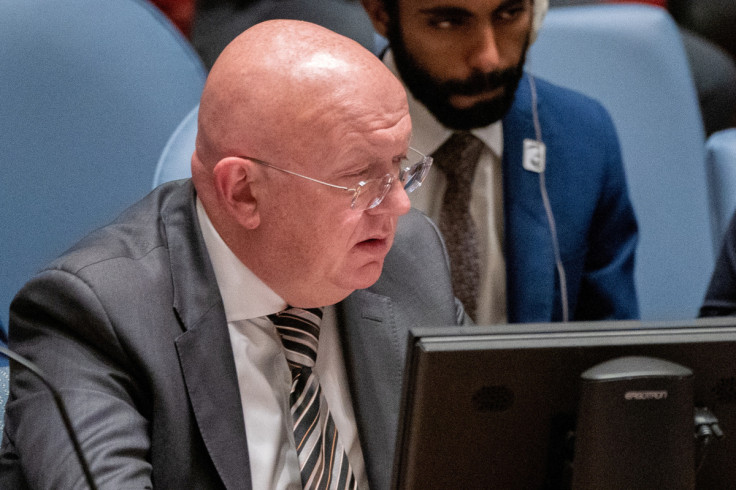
[{"x": 61, "y": 408}]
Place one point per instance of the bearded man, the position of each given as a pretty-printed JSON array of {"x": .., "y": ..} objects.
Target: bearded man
[{"x": 529, "y": 191}]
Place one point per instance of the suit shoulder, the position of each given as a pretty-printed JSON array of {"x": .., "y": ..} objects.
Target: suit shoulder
[
  {"x": 415, "y": 225},
  {"x": 417, "y": 238},
  {"x": 566, "y": 116},
  {"x": 562, "y": 100},
  {"x": 132, "y": 235}
]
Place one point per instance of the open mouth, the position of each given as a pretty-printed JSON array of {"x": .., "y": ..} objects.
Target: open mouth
[{"x": 375, "y": 245}]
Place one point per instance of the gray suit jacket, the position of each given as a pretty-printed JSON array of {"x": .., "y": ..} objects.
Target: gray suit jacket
[{"x": 131, "y": 327}]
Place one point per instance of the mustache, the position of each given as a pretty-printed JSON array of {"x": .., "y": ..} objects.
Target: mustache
[{"x": 479, "y": 82}]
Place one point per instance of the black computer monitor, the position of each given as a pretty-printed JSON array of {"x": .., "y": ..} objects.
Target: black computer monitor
[{"x": 497, "y": 406}]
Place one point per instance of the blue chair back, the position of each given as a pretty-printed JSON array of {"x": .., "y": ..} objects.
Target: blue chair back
[
  {"x": 90, "y": 91},
  {"x": 720, "y": 158},
  {"x": 631, "y": 58},
  {"x": 175, "y": 160}
]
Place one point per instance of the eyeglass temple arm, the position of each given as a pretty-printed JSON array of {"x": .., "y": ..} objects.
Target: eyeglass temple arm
[{"x": 266, "y": 164}]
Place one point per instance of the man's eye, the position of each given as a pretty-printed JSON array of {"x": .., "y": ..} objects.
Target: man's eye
[
  {"x": 362, "y": 174},
  {"x": 510, "y": 14},
  {"x": 447, "y": 22}
]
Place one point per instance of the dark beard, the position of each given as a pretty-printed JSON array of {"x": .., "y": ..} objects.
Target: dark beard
[{"x": 435, "y": 94}]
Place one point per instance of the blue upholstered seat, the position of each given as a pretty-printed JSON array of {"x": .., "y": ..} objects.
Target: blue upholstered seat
[
  {"x": 175, "y": 160},
  {"x": 631, "y": 58},
  {"x": 721, "y": 165},
  {"x": 90, "y": 91}
]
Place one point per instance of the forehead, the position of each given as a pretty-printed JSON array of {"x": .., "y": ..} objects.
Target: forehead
[
  {"x": 377, "y": 143},
  {"x": 376, "y": 119}
]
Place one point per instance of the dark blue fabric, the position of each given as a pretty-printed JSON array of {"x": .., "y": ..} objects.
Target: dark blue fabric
[{"x": 595, "y": 222}]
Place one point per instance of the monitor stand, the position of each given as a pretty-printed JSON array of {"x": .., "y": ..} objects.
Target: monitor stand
[{"x": 635, "y": 426}]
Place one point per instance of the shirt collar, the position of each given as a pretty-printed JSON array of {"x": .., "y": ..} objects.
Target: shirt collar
[
  {"x": 428, "y": 133},
  {"x": 244, "y": 295}
]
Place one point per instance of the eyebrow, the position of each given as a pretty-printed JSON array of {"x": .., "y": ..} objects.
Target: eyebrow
[
  {"x": 455, "y": 11},
  {"x": 446, "y": 10},
  {"x": 511, "y": 3}
]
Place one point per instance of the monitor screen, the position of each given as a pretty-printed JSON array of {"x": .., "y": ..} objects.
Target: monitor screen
[{"x": 497, "y": 406}]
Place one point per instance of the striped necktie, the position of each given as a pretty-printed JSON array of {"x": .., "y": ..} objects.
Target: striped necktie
[
  {"x": 458, "y": 157},
  {"x": 322, "y": 458}
]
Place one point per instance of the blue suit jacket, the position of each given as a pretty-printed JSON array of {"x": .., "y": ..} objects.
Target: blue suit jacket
[{"x": 595, "y": 222}]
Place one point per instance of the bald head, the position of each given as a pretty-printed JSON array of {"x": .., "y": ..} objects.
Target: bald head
[
  {"x": 298, "y": 97},
  {"x": 285, "y": 81}
]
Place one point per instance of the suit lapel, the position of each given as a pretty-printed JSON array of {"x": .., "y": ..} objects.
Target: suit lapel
[
  {"x": 414, "y": 290},
  {"x": 374, "y": 347},
  {"x": 204, "y": 349},
  {"x": 209, "y": 374},
  {"x": 529, "y": 254}
]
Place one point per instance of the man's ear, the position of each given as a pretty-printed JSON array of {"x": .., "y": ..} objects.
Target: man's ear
[
  {"x": 234, "y": 181},
  {"x": 379, "y": 17}
]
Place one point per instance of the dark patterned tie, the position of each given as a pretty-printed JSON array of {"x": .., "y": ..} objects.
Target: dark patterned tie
[
  {"x": 322, "y": 458},
  {"x": 458, "y": 157}
]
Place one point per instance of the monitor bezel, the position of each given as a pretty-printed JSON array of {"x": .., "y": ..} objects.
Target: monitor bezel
[{"x": 425, "y": 341}]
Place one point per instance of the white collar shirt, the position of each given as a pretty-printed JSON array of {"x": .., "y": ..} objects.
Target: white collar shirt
[
  {"x": 486, "y": 204},
  {"x": 264, "y": 379}
]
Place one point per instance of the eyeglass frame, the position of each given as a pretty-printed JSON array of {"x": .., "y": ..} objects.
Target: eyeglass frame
[{"x": 409, "y": 186}]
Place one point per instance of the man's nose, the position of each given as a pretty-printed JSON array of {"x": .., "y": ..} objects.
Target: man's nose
[
  {"x": 396, "y": 201},
  {"x": 484, "y": 55}
]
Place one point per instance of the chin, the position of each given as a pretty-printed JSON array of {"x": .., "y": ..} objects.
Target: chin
[{"x": 366, "y": 276}]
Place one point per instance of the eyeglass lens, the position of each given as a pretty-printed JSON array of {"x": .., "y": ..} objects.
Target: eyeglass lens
[{"x": 371, "y": 193}]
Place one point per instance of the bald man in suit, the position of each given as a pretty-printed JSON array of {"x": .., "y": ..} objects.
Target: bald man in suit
[{"x": 158, "y": 328}]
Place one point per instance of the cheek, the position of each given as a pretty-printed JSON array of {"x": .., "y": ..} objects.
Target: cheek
[
  {"x": 339, "y": 253},
  {"x": 434, "y": 54},
  {"x": 320, "y": 240},
  {"x": 327, "y": 237},
  {"x": 512, "y": 44}
]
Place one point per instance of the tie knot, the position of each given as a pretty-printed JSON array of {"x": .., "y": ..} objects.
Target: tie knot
[
  {"x": 458, "y": 156},
  {"x": 299, "y": 332}
]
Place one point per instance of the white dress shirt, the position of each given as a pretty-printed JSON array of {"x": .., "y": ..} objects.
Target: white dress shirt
[
  {"x": 486, "y": 201},
  {"x": 264, "y": 377}
]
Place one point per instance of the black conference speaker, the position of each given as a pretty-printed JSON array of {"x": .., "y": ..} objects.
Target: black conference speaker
[{"x": 635, "y": 426}]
